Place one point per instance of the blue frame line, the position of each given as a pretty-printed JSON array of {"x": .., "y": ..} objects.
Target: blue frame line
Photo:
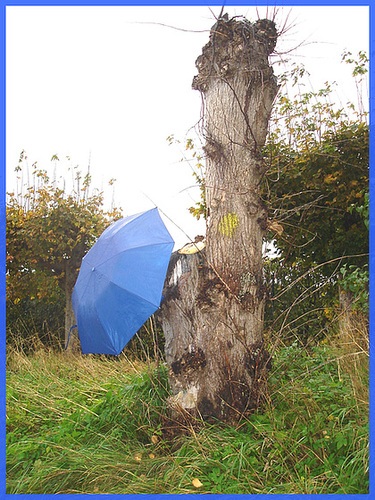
[
  {"x": 191, "y": 3},
  {"x": 372, "y": 242},
  {"x": 2, "y": 251},
  {"x": 10, "y": 3}
]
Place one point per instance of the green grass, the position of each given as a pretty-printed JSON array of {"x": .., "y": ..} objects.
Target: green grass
[{"x": 85, "y": 424}]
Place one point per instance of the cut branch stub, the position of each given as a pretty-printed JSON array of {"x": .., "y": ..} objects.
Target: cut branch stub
[{"x": 235, "y": 47}]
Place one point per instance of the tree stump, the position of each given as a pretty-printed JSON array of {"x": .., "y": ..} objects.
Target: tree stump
[{"x": 212, "y": 315}]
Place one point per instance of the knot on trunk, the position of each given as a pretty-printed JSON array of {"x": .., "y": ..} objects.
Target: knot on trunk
[
  {"x": 236, "y": 46},
  {"x": 266, "y": 34},
  {"x": 193, "y": 359}
]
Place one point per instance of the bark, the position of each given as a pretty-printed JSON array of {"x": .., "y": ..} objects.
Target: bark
[
  {"x": 212, "y": 314},
  {"x": 74, "y": 343}
]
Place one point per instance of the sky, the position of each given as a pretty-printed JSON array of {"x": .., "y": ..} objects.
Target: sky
[{"x": 106, "y": 86}]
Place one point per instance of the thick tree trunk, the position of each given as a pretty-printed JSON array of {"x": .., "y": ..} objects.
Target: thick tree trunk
[{"x": 213, "y": 311}]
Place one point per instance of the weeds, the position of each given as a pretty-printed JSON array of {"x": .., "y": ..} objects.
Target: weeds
[{"x": 90, "y": 424}]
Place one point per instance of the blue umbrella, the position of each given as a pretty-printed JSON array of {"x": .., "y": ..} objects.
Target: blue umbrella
[{"x": 120, "y": 282}]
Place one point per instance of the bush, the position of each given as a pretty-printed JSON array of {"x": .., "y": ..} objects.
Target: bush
[{"x": 31, "y": 319}]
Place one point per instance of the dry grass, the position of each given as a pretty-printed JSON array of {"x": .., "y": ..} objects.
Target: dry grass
[
  {"x": 353, "y": 343},
  {"x": 87, "y": 424}
]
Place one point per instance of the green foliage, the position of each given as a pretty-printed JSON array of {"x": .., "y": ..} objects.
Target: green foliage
[
  {"x": 200, "y": 208},
  {"x": 316, "y": 188},
  {"x": 355, "y": 280},
  {"x": 94, "y": 425},
  {"x": 360, "y": 64},
  {"x": 363, "y": 210},
  {"x": 318, "y": 170},
  {"x": 48, "y": 232},
  {"x": 196, "y": 164}
]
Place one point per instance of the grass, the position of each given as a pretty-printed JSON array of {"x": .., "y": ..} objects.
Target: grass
[{"x": 90, "y": 424}]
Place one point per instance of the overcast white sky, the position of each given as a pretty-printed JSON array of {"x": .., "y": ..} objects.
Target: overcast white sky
[{"x": 108, "y": 82}]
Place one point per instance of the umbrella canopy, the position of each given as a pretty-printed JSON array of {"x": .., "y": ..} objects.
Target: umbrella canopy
[{"x": 120, "y": 282}]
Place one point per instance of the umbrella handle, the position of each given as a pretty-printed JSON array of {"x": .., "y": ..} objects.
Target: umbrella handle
[{"x": 74, "y": 326}]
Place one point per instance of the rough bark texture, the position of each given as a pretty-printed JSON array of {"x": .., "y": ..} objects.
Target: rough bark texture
[
  {"x": 212, "y": 314},
  {"x": 74, "y": 343}
]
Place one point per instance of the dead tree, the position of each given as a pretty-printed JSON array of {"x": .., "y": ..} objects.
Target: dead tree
[{"x": 212, "y": 315}]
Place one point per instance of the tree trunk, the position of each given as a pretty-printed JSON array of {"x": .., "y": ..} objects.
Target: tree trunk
[
  {"x": 212, "y": 315},
  {"x": 74, "y": 343}
]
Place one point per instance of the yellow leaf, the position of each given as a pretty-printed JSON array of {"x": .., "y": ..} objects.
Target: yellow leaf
[
  {"x": 16, "y": 301},
  {"x": 197, "y": 483},
  {"x": 154, "y": 439},
  {"x": 151, "y": 455},
  {"x": 328, "y": 179},
  {"x": 276, "y": 227},
  {"x": 138, "y": 457}
]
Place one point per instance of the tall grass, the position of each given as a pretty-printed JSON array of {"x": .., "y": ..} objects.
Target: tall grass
[
  {"x": 92, "y": 424},
  {"x": 353, "y": 343}
]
